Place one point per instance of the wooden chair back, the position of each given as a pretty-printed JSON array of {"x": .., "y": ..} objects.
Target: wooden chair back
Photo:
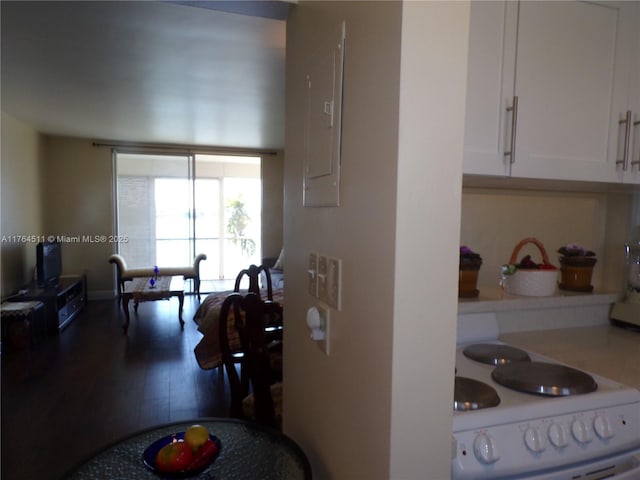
[
  {"x": 256, "y": 323},
  {"x": 253, "y": 272}
]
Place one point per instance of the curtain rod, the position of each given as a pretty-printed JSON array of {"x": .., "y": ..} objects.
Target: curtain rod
[{"x": 142, "y": 146}]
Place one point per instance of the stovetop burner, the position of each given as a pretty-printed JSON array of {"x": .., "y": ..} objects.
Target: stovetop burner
[
  {"x": 472, "y": 394},
  {"x": 544, "y": 378},
  {"x": 495, "y": 354}
]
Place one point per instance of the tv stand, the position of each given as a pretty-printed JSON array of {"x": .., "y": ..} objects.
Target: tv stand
[{"x": 62, "y": 303}]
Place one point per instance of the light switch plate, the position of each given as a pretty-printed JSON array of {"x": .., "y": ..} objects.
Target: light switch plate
[
  {"x": 312, "y": 274},
  {"x": 322, "y": 279},
  {"x": 334, "y": 282}
]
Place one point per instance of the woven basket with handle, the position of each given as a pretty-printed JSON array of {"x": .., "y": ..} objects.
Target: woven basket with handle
[{"x": 531, "y": 282}]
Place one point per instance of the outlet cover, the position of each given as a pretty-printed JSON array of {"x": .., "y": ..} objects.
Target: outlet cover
[{"x": 324, "y": 318}]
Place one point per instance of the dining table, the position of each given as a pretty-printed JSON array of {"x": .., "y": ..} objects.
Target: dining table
[{"x": 248, "y": 451}]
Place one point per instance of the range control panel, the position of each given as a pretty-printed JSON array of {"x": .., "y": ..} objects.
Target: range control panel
[{"x": 547, "y": 443}]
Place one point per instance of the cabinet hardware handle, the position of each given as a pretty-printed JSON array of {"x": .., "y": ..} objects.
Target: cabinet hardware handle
[
  {"x": 627, "y": 133},
  {"x": 514, "y": 126},
  {"x": 636, "y": 162}
]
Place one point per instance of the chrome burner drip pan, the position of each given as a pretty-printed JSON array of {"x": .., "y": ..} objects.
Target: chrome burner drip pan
[
  {"x": 544, "y": 378},
  {"x": 495, "y": 354},
  {"x": 470, "y": 394}
]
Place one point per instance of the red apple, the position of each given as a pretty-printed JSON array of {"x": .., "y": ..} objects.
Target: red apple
[
  {"x": 202, "y": 457},
  {"x": 174, "y": 457}
]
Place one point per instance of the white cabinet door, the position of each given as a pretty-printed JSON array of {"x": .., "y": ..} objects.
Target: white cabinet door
[
  {"x": 569, "y": 64},
  {"x": 571, "y": 79},
  {"x": 490, "y": 76},
  {"x": 632, "y": 172}
]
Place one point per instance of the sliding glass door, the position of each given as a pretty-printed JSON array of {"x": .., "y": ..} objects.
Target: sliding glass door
[
  {"x": 152, "y": 192},
  {"x": 173, "y": 207},
  {"x": 242, "y": 206},
  {"x": 173, "y": 222}
]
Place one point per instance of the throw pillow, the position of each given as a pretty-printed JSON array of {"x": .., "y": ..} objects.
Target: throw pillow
[{"x": 279, "y": 262}]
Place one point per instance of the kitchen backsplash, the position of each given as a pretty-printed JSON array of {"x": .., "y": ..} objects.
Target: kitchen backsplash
[{"x": 494, "y": 221}]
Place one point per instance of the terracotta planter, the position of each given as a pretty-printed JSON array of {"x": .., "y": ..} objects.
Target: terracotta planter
[
  {"x": 468, "y": 278},
  {"x": 576, "y": 272}
]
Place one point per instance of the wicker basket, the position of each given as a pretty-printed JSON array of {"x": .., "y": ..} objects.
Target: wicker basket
[{"x": 531, "y": 283}]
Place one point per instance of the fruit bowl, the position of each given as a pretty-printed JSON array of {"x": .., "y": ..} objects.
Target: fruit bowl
[{"x": 151, "y": 452}]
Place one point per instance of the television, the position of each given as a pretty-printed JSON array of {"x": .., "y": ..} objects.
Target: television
[{"x": 48, "y": 264}]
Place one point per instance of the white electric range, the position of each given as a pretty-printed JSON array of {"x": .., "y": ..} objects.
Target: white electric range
[{"x": 520, "y": 415}]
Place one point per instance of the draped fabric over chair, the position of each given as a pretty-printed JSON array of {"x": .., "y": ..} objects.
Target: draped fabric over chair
[
  {"x": 208, "y": 316},
  {"x": 258, "y": 385},
  {"x": 253, "y": 274}
]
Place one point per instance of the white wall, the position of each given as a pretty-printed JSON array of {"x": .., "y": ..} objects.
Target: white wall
[
  {"x": 78, "y": 197},
  {"x": 272, "y": 204},
  {"x": 379, "y": 406},
  {"x": 55, "y": 186},
  {"x": 21, "y": 158},
  {"x": 432, "y": 100},
  {"x": 338, "y": 406}
]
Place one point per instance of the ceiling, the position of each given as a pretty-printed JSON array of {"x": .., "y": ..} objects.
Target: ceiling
[{"x": 189, "y": 73}]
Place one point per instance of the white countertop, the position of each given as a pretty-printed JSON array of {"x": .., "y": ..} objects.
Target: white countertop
[
  {"x": 606, "y": 350},
  {"x": 494, "y": 299}
]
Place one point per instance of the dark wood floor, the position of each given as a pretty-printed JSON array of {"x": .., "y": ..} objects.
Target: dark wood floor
[{"x": 92, "y": 385}]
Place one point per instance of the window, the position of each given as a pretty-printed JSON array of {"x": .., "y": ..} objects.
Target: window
[{"x": 172, "y": 208}]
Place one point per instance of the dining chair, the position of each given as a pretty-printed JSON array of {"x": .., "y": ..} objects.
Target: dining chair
[
  {"x": 256, "y": 391},
  {"x": 253, "y": 272}
]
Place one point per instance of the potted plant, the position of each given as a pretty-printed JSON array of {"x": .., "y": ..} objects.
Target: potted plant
[
  {"x": 470, "y": 263},
  {"x": 576, "y": 267}
]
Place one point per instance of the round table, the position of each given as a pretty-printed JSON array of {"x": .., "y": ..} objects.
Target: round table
[{"x": 249, "y": 451}]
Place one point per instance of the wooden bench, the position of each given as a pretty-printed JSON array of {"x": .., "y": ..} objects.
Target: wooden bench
[{"x": 127, "y": 274}]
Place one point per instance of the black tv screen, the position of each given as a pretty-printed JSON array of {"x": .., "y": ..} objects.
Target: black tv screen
[{"x": 48, "y": 263}]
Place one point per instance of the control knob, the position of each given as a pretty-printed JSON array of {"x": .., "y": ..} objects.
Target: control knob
[
  {"x": 558, "y": 435},
  {"x": 581, "y": 431},
  {"x": 534, "y": 441},
  {"x": 485, "y": 449},
  {"x": 602, "y": 426}
]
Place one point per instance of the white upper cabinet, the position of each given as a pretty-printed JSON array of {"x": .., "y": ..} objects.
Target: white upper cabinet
[
  {"x": 632, "y": 171},
  {"x": 490, "y": 77},
  {"x": 548, "y": 83}
]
